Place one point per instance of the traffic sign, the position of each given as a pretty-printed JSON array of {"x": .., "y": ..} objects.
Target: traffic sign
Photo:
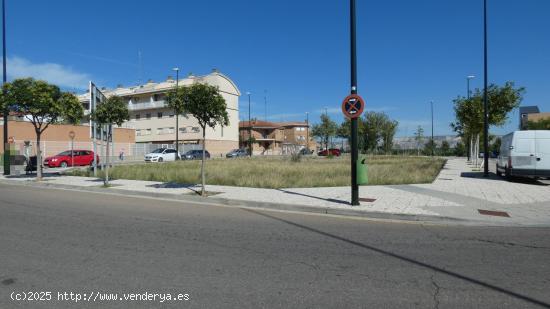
[{"x": 353, "y": 106}]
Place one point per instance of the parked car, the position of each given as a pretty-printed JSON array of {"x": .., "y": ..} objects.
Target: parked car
[
  {"x": 196, "y": 154},
  {"x": 525, "y": 154},
  {"x": 64, "y": 159},
  {"x": 305, "y": 151},
  {"x": 237, "y": 153},
  {"x": 161, "y": 155},
  {"x": 333, "y": 151}
]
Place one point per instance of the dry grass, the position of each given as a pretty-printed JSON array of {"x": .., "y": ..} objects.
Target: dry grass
[{"x": 267, "y": 172}]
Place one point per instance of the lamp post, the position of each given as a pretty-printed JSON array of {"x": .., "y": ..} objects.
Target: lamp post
[
  {"x": 6, "y": 109},
  {"x": 177, "y": 116},
  {"x": 485, "y": 101},
  {"x": 353, "y": 75},
  {"x": 249, "y": 128},
  {"x": 265, "y": 105},
  {"x": 71, "y": 136},
  {"x": 468, "y": 78},
  {"x": 432, "y": 112},
  {"x": 307, "y": 132}
]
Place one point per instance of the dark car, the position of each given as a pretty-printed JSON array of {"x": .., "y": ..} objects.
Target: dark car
[
  {"x": 235, "y": 153},
  {"x": 332, "y": 151},
  {"x": 196, "y": 154},
  {"x": 305, "y": 151},
  {"x": 78, "y": 157}
]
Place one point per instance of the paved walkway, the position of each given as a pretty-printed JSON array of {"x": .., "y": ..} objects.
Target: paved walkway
[{"x": 456, "y": 193}]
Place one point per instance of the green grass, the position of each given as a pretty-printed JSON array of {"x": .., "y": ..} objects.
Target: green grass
[{"x": 270, "y": 172}]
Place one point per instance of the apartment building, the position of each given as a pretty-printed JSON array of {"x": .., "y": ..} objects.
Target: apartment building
[
  {"x": 154, "y": 123},
  {"x": 275, "y": 137}
]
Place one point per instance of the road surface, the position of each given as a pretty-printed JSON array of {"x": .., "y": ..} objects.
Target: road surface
[{"x": 94, "y": 244}]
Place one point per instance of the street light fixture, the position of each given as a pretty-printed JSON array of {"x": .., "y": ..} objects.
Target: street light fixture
[
  {"x": 485, "y": 100},
  {"x": 177, "y": 116},
  {"x": 307, "y": 132},
  {"x": 432, "y": 142},
  {"x": 6, "y": 109},
  {"x": 468, "y": 78}
]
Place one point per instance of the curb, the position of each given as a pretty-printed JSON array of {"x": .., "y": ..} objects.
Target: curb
[{"x": 253, "y": 205}]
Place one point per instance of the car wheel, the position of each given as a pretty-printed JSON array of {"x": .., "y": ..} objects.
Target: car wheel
[
  {"x": 160, "y": 159},
  {"x": 63, "y": 164},
  {"x": 499, "y": 174},
  {"x": 507, "y": 173}
]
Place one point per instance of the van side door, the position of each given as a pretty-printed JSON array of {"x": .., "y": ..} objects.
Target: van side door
[
  {"x": 523, "y": 153},
  {"x": 542, "y": 153}
]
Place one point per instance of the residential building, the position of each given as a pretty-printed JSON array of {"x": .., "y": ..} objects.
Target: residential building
[
  {"x": 276, "y": 137},
  {"x": 155, "y": 123},
  {"x": 530, "y": 113}
]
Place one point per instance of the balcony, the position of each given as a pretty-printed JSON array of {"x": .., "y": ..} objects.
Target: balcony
[{"x": 146, "y": 105}]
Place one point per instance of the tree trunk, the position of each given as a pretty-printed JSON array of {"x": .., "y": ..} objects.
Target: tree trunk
[
  {"x": 38, "y": 157},
  {"x": 106, "y": 180},
  {"x": 202, "y": 163}
]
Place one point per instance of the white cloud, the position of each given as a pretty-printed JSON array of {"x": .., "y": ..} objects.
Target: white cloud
[{"x": 54, "y": 73}]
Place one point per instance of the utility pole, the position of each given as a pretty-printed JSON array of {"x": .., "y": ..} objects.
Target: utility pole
[
  {"x": 485, "y": 101},
  {"x": 307, "y": 132},
  {"x": 6, "y": 108},
  {"x": 468, "y": 78},
  {"x": 354, "y": 146},
  {"x": 177, "y": 116}
]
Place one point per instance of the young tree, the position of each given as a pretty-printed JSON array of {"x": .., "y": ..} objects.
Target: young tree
[
  {"x": 373, "y": 124},
  {"x": 389, "y": 128},
  {"x": 206, "y": 104},
  {"x": 324, "y": 130},
  {"x": 419, "y": 137},
  {"x": 113, "y": 111},
  {"x": 42, "y": 104},
  {"x": 445, "y": 147},
  {"x": 174, "y": 101}
]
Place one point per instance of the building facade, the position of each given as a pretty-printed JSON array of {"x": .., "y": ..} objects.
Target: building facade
[
  {"x": 274, "y": 138},
  {"x": 154, "y": 123}
]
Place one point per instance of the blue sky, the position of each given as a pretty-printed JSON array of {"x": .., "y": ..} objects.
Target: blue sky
[{"x": 409, "y": 52}]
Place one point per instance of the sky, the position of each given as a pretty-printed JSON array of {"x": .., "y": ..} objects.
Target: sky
[{"x": 294, "y": 54}]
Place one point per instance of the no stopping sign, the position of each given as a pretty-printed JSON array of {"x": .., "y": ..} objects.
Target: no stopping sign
[{"x": 353, "y": 106}]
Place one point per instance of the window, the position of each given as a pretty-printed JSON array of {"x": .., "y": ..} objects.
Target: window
[
  {"x": 300, "y": 129},
  {"x": 195, "y": 129},
  {"x": 138, "y": 132},
  {"x": 159, "y": 115},
  {"x": 183, "y": 130},
  {"x": 171, "y": 115},
  {"x": 148, "y": 116},
  {"x": 171, "y": 130},
  {"x": 148, "y": 132},
  {"x": 138, "y": 116},
  {"x": 159, "y": 131}
]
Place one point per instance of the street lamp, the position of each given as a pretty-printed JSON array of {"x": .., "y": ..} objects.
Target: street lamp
[
  {"x": 6, "y": 109},
  {"x": 71, "y": 136},
  {"x": 468, "y": 78},
  {"x": 249, "y": 127},
  {"x": 485, "y": 101},
  {"x": 177, "y": 116},
  {"x": 432, "y": 143}
]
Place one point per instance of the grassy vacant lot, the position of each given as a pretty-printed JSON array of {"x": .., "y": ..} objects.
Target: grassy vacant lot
[{"x": 267, "y": 172}]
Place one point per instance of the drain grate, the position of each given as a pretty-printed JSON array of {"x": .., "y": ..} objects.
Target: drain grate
[
  {"x": 367, "y": 200},
  {"x": 493, "y": 213}
]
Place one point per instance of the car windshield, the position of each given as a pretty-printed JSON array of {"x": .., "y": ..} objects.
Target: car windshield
[
  {"x": 235, "y": 150},
  {"x": 160, "y": 150},
  {"x": 65, "y": 153}
]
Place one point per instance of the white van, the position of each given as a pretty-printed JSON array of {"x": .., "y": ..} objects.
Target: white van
[{"x": 525, "y": 154}]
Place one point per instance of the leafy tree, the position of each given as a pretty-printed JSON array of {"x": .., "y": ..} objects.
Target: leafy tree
[
  {"x": 542, "y": 124},
  {"x": 174, "y": 101},
  {"x": 373, "y": 122},
  {"x": 113, "y": 111},
  {"x": 419, "y": 137},
  {"x": 445, "y": 148},
  {"x": 469, "y": 112},
  {"x": 429, "y": 147},
  {"x": 207, "y": 105},
  {"x": 389, "y": 128},
  {"x": 460, "y": 149},
  {"x": 495, "y": 146},
  {"x": 42, "y": 104},
  {"x": 324, "y": 130}
]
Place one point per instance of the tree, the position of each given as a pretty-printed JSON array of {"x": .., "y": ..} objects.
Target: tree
[
  {"x": 542, "y": 124},
  {"x": 460, "y": 149},
  {"x": 495, "y": 146},
  {"x": 429, "y": 147},
  {"x": 389, "y": 127},
  {"x": 113, "y": 111},
  {"x": 324, "y": 130},
  {"x": 42, "y": 104},
  {"x": 206, "y": 104},
  {"x": 174, "y": 101},
  {"x": 445, "y": 148},
  {"x": 469, "y": 112},
  {"x": 419, "y": 137}
]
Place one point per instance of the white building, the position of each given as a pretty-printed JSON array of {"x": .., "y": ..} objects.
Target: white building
[{"x": 156, "y": 124}]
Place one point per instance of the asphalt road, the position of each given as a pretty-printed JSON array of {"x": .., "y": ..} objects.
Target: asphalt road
[{"x": 65, "y": 241}]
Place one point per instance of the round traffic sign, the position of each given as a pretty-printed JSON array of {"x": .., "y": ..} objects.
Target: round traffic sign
[
  {"x": 72, "y": 134},
  {"x": 353, "y": 106}
]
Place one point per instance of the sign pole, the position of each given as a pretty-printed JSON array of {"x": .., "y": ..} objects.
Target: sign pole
[{"x": 354, "y": 147}]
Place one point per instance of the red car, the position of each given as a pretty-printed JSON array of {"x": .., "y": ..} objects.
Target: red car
[
  {"x": 333, "y": 151},
  {"x": 80, "y": 157}
]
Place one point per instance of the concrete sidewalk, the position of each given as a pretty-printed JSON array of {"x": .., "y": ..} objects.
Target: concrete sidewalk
[{"x": 456, "y": 194}]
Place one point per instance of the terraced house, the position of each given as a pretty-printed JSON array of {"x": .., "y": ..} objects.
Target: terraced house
[
  {"x": 274, "y": 138},
  {"x": 154, "y": 123}
]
